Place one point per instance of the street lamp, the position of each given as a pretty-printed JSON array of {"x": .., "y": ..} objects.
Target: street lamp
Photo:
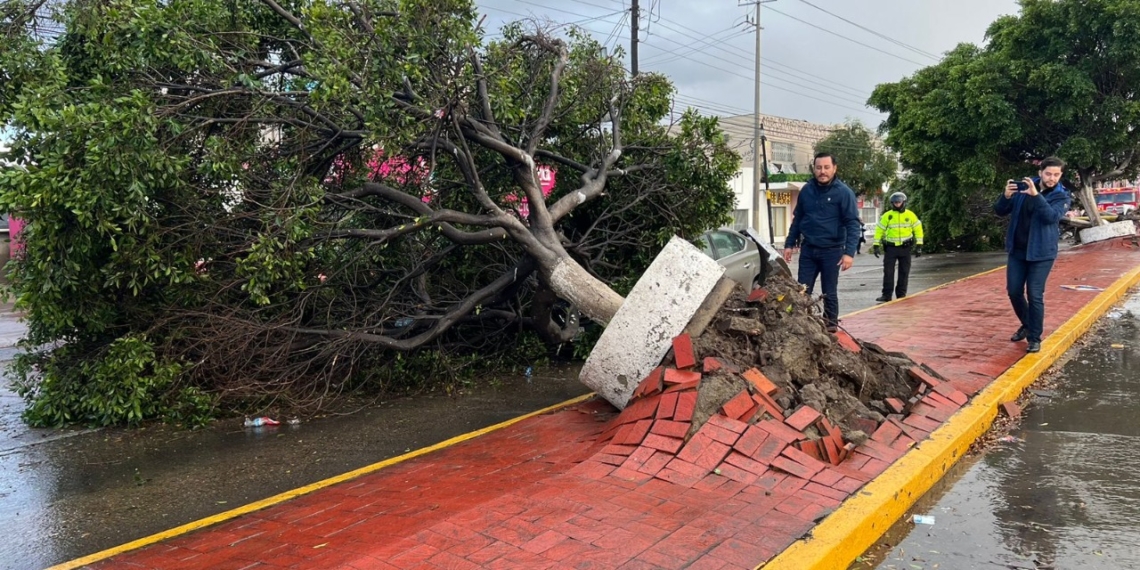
[{"x": 767, "y": 194}]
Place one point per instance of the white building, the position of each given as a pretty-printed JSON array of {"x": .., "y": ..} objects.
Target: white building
[{"x": 790, "y": 147}]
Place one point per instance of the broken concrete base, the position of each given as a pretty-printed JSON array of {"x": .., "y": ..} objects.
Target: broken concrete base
[
  {"x": 1107, "y": 232},
  {"x": 658, "y": 308}
]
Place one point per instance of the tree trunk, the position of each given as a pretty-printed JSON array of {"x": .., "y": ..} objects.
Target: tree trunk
[
  {"x": 1087, "y": 197},
  {"x": 590, "y": 295}
]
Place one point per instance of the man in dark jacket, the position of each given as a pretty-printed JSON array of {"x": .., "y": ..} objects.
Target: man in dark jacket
[
  {"x": 1035, "y": 207},
  {"x": 826, "y": 228}
]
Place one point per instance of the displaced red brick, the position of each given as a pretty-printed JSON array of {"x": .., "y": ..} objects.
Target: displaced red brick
[
  {"x": 802, "y": 418},
  {"x": 746, "y": 463},
  {"x": 639, "y": 410},
  {"x": 718, "y": 433},
  {"x": 674, "y": 376},
  {"x": 751, "y": 413},
  {"x": 683, "y": 387},
  {"x": 847, "y": 342},
  {"x": 662, "y": 443},
  {"x": 896, "y": 405},
  {"x": 655, "y": 463},
  {"x": 932, "y": 410},
  {"x": 739, "y": 405},
  {"x": 695, "y": 447},
  {"x": 811, "y": 448},
  {"x": 668, "y": 406},
  {"x": 686, "y": 402},
  {"x": 760, "y": 381},
  {"x": 713, "y": 454},
  {"x": 886, "y": 433},
  {"x": 732, "y": 425},
  {"x": 788, "y": 466},
  {"x": 750, "y": 440},
  {"x": 803, "y": 459},
  {"x": 758, "y": 295},
  {"x": 651, "y": 384},
  {"x": 683, "y": 351},
  {"x": 951, "y": 393},
  {"x": 831, "y": 451},
  {"x": 670, "y": 429},
  {"x": 769, "y": 450},
  {"x": 923, "y": 376},
  {"x": 712, "y": 364},
  {"x": 781, "y": 431},
  {"x": 769, "y": 405},
  {"x": 1011, "y": 409},
  {"x": 865, "y": 425},
  {"x": 937, "y": 399},
  {"x": 632, "y": 434}
]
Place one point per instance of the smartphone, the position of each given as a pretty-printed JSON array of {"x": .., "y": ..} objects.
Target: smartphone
[{"x": 1021, "y": 185}]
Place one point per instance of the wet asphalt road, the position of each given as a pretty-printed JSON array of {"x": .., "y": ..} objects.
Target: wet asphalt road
[
  {"x": 66, "y": 494},
  {"x": 1065, "y": 494}
]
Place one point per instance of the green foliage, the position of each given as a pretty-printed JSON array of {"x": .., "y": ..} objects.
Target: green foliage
[
  {"x": 125, "y": 384},
  {"x": 200, "y": 179},
  {"x": 863, "y": 164},
  {"x": 1056, "y": 79},
  {"x": 789, "y": 177}
]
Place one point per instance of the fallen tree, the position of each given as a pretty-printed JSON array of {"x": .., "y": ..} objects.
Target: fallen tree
[{"x": 267, "y": 200}]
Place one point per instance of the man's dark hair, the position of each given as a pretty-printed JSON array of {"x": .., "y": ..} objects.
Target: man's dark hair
[
  {"x": 1052, "y": 161},
  {"x": 820, "y": 155}
]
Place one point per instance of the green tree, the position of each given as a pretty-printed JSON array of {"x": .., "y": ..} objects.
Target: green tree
[
  {"x": 267, "y": 199},
  {"x": 1056, "y": 79},
  {"x": 864, "y": 165}
]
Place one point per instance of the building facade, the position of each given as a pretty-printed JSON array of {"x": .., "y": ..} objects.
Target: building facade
[{"x": 790, "y": 145}]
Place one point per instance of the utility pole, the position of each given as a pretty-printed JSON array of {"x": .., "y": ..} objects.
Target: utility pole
[
  {"x": 761, "y": 210},
  {"x": 634, "y": 16}
]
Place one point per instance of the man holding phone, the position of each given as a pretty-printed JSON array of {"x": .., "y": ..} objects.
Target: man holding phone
[{"x": 1035, "y": 207}]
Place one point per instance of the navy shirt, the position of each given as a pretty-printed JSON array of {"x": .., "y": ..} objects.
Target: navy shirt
[{"x": 826, "y": 217}]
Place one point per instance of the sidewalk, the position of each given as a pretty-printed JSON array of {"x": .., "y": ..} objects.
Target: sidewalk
[{"x": 543, "y": 492}]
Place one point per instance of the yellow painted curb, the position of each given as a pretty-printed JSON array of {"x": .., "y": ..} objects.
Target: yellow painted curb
[
  {"x": 849, "y": 531},
  {"x": 293, "y": 494}
]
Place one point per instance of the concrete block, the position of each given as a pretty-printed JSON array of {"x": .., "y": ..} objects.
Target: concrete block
[
  {"x": 658, "y": 308},
  {"x": 1110, "y": 231}
]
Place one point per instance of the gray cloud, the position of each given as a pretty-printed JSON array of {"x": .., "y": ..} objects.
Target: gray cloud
[{"x": 811, "y": 67}]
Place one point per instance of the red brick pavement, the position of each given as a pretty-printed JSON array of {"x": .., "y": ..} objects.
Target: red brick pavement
[{"x": 544, "y": 493}]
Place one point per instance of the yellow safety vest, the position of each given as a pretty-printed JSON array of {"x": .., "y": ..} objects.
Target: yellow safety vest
[{"x": 896, "y": 228}]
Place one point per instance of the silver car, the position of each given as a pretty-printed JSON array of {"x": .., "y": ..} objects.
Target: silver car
[{"x": 738, "y": 255}]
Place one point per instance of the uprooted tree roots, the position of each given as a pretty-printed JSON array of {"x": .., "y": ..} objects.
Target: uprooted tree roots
[{"x": 784, "y": 335}]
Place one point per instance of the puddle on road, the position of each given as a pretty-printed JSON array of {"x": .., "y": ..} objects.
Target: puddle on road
[{"x": 1067, "y": 496}]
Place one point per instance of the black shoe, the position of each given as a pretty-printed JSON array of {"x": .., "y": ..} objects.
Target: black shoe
[
  {"x": 883, "y": 299},
  {"x": 1020, "y": 335},
  {"x": 1034, "y": 346},
  {"x": 832, "y": 329}
]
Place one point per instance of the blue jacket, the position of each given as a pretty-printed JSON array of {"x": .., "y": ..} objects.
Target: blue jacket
[
  {"x": 826, "y": 217},
  {"x": 1044, "y": 228}
]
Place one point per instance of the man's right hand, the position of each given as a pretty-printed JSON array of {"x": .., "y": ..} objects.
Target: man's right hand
[
  {"x": 1010, "y": 189},
  {"x": 876, "y": 249},
  {"x": 788, "y": 251}
]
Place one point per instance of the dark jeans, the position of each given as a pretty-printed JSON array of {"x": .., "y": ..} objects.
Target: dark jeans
[
  {"x": 1025, "y": 283},
  {"x": 891, "y": 254},
  {"x": 822, "y": 263}
]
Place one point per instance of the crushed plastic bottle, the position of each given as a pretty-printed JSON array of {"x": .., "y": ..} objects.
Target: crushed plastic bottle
[
  {"x": 294, "y": 422},
  {"x": 261, "y": 421},
  {"x": 529, "y": 372}
]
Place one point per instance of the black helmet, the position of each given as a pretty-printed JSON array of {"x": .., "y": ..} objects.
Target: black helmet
[{"x": 898, "y": 197}]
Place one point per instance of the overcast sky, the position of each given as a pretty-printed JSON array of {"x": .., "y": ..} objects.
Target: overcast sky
[{"x": 815, "y": 65}]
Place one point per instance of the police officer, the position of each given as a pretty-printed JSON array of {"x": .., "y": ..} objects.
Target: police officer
[{"x": 897, "y": 234}]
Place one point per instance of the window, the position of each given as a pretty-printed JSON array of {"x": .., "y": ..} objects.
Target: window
[
  {"x": 780, "y": 220},
  {"x": 739, "y": 219},
  {"x": 783, "y": 152},
  {"x": 869, "y": 215}
]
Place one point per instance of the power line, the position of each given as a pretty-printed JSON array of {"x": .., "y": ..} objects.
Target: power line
[
  {"x": 749, "y": 57},
  {"x": 868, "y": 46},
  {"x": 873, "y": 32},
  {"x": 799, "y": 93}
]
